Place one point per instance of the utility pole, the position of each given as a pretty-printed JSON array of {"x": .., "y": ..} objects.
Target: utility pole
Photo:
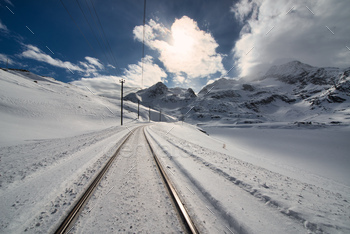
[
  {"x": 122, "y": 81},
  {"x": 138, "y": 109},
  {"x": 149, "y": 114}
]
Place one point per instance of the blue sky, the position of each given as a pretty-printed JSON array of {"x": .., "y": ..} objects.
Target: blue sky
[{"x": 188, "y": 42}]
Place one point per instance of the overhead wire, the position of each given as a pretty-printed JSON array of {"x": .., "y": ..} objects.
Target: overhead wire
[
  {"x": 110, "y": 50},
  {"x": 93, "y": 32},
  {"x": 143, "y": 51},
  {"x": 99, "y": 31},
  {"x": 143, "y": 41},
  {"x": 103, "y": 38},
  {"x": 131, "y": 90},
  {"x": 76, "y": 24}
]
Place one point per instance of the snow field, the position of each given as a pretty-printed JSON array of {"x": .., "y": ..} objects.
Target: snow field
[
  {"x": 303, "y": 205},
  {"x": 305, "y": 152},
  {"x": 260, "y": 178},
  {"x": 37, "y": 108},
  {"x": 37, "y": 189}
]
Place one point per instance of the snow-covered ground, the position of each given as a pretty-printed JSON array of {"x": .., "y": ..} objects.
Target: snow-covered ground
[
  {"x": 54, "y": 137},
  {"x": 319, "y": 152},
  {"x": 132, "y": 197},
  {"x": 245, "y": 178},
  {"x": 35, "y": 107},
  {"x": 277, "y": 184}
]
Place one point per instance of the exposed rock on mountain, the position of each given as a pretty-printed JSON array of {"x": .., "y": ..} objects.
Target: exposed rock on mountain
[
  {"x": 161, "y": 97},
  {"x": 290, "y": 92}
]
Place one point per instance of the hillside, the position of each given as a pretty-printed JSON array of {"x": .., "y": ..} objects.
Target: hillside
[
  {"x": 292, "y": 92},
  {"x": 43, "y": 108}
]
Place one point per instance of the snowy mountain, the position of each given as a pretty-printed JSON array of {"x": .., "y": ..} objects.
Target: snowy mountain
[
  {"x": 160, "y": 96},
  {"x": 292, "y": 92}
]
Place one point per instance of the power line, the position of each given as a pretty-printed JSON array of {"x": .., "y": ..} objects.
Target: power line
[
  {"x": 92, "y": 30},
  {"x": 143, "y": 41},
  {"x": 78, "y": 27},
  {"x": 98, "y": 28},
  {"x": 110, "y": 50},
  {"x": 103, "y": 39},
  {"x": 132, "y": 90}
]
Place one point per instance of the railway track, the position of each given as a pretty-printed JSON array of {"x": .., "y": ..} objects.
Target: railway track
[
  {"x": 68, "y": 222},
  {"x": 184, "y": 218},
  {"x": 182, "y": 211}
]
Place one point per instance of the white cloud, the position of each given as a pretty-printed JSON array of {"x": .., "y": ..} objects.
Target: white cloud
[
  {"x": 101, "y": 85},
  {"x": 299, "y": 35},
  {"x": 5, "y": 59},
  {"x": 91, "y": 67},
  {"x": 153, "y": 30},
  {"x": 243, "y": 9},
  {"x": 179, "y": 79},
  {"x": 35, "y": 53},
  {"x": 111, "y": 66},
  {"x": 3, "y": 26},
  {"x": 110, "y": 86},
  {"x": 95, "y": 62},
  {"x": 152, "y": 73},
  {"x": 184, "y": 49}
]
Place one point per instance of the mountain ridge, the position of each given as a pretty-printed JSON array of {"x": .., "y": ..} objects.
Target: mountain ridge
[{"x": 294, "y": 92}]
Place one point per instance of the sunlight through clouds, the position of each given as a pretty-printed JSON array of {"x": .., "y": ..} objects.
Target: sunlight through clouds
[
  {"x": 185, "y": 50},
  {"x": 107, "y": 85},
  {"x": 152, "y": 73}
]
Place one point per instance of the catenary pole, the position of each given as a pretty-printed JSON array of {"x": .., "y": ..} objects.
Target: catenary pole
[{"x": 122, "y": 81}]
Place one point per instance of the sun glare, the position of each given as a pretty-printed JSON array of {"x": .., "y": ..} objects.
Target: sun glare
[{"x": 182, "y": 41}]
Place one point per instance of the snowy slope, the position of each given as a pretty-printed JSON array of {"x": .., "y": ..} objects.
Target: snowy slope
[
  {"x": 36, "y": 107},
  {"x": 54, "y": 138},
  {"x": 293, "y": 92}
]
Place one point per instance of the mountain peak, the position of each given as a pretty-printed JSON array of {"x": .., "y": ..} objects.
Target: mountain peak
[
  {"x": 158, "y": 89},
  {"x": 159, "y": 84},
  {"x": 218, "y": 84},
  {"x": 160, "y": 96},
  {"x": 293, "y": 68}
]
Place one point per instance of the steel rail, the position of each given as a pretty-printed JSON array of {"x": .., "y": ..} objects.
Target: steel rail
[
  {"x": 179, "y": 205},
  {"x": 67, "y": 223}
]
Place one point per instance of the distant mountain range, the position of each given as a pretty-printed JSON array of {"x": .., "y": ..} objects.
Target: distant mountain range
[{"x": 292, "y": 92}]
